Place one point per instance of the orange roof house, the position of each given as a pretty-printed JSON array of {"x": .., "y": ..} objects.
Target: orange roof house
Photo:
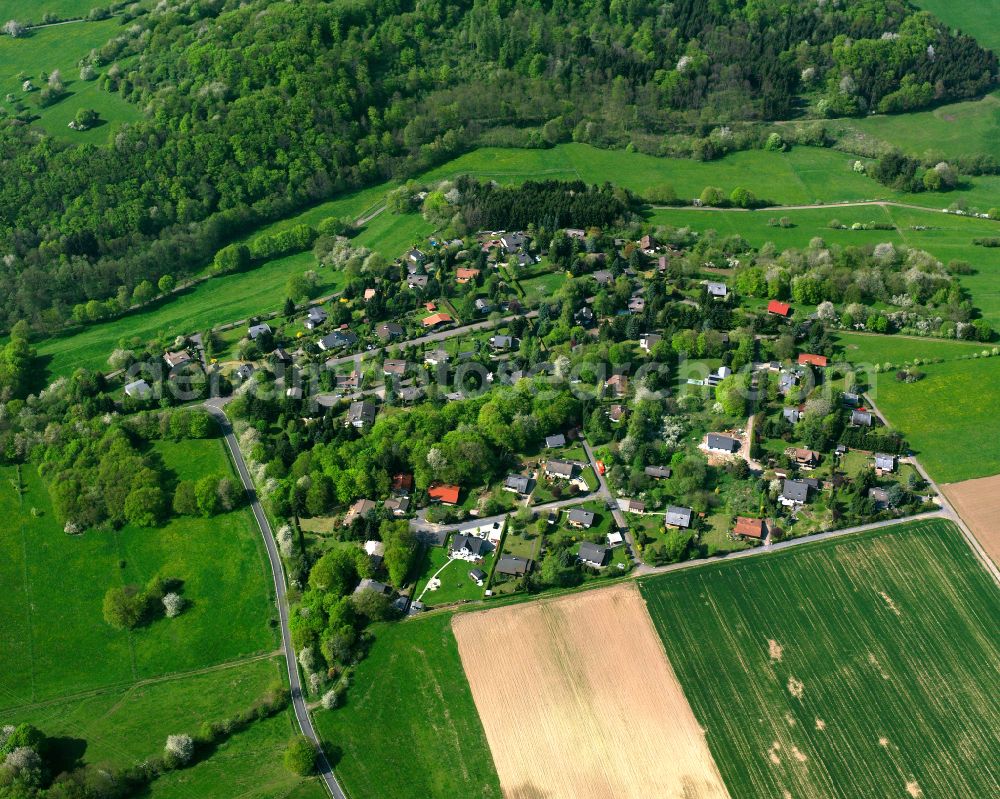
[
  {"x": 430, "y": 306},
  {"x": 443, "y": 493},
  {"x": 402, "y": 482},
  {"x": 436, "y": 319},
  {"x": 464, "y": 274},
  {"x": 749, "y": 528},
  {"x": 779, "y": 308},
  {"x": 806, "y": 358}
]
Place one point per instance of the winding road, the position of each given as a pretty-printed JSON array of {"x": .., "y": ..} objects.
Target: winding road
[{"x": 325, "y": 770}]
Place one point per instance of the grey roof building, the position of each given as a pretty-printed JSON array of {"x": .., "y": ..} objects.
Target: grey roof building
[
  {"x": 518, "y": 483},
  {"x": 368, "y": 584},
  {"x": 361, "y": 413},
  {"x": 513, "y": 566},
  {"x": 658, "y": 472},
  {"x": 558, "y": 440},
  {"x": 315, "y": 317},
  {"x": 139, "y": 389},
  {"x": 593, "y": 554},
  {"x": 721, "y": 443},
  {"x": 861, "y": 418},
  {"x": 580, "y": 518},
  {"x": 791, "y": 415},
  {"x": 677, "y": 516},
  {"x": 795, "y": 491},
  {"x": 558, "y": 468},
  {"x": 887, "y": 463},
  {"x": 468, "y": 545},
  {"x": 717, "y": 289},
  {"x": 258, "y": 330}
]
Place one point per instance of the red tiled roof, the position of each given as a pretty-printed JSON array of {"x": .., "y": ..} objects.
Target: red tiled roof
[
  {"x": 437, "y": 319},
  {"x": 402, "y": 482},
  {"x": 444, "y": 493},
  {"x": 779, "y": 308},
  {"x": 752, "y": 528},
  {"x": 812, "y": 360}
]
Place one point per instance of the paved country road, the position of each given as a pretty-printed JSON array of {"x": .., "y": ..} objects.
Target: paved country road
[{"x": 215, "y": 407}]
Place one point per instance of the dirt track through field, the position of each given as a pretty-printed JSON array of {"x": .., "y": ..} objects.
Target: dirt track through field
[
  {"x": 579, "y": 701},
  {"x": 978, "y": 503}
]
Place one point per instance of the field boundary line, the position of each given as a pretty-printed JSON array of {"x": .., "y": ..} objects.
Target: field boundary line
[{"x": 27, "y": 582}]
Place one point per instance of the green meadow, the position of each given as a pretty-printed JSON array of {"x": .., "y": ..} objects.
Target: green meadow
[
  {"x": 409, "y": 728},
  {"x": 34, "y": 10},
  {"x": 61, "y": 47},
  {"x": 945, "y": 415},
  {"x": 873, "y": 348},
  {"x": 980, "y": 20},
  {"x": 862, "y": 666}
]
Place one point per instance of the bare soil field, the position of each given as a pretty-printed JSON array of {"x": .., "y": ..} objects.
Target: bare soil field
[
  {"x": 579, "y": 701},
  {"x": 978, "y": 503}
]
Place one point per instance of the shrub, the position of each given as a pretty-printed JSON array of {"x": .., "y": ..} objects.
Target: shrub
[
  {"x": 300, "y": 756},
  {"x": 173, "y": 604},
  {"x": 179, "y": 749}
]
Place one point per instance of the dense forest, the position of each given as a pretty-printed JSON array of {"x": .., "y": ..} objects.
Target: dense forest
[{"x": 253, "y": 108}]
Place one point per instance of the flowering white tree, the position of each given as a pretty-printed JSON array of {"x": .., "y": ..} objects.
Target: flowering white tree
[
  {"x": 180, "y": 747},
  {"x": 14, "y": 29},
  {"x": 826, "y": 311},
  {"x": 330, "y": 699},
  {"x": 173, "y": 604},
  {"x": 285, "y": 541}
]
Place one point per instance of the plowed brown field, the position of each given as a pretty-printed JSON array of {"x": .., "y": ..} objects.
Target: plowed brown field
[
  {"x": 579, "y": 701},
  {"x": 978, "y": 503}
]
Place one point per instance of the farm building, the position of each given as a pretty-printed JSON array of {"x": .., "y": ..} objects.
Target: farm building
[
  {"x": 593, "y": 554},
  {"x": 677, "y": 516}
]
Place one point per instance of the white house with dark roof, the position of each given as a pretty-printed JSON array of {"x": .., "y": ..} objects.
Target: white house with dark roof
[
  {"x": 794, "y": 492},
  {"x": 716, "y": 442},
  {"x": 578, "y": 517},
  {"x": 593, "y": 554},
  {"x": 468, "y": 547},
  {"x": 361, "y": 414},
  {"x": 676, "y": 516},
  {"x": 518, "y": 484},
  {"x": 316, "y": 317}
]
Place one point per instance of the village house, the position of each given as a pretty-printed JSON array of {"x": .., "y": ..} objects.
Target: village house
[
  {"x": 750, "y": 528},
  {"x": 175, "y": 360},
  {"x": 603, "y": 277},
  {"x": 636, "y": 304},
  {"x": 850, "y": 399},
  {"x": 718, "y": 376},
  {"x": 649, "y": 340},
  {"x": 563, "y": 470},
  {"x": 416, "y": 281},
  {"x": 716, "y": 442},
  {"x": 880, "y": 497},
  {"x": 415, "y": 257},
  {"x": 501, "y": 343},
  {"x": 512, "y": 566},
  {"x": 316, "y": 317},
  {"x": 796, "y": 492},
  {"x": 336, "y": 340},
  {"x": 575, "y": 233},
  {"x": 615, "y": 539},
  {"x": 361, "y": 414},
  {"x": 618, "y": 383},
  {"x": 518, "y": 484},
  {"x": 139, "y": 389},
  {"x": 809, "y": 359},
  {"x": 375, "y": 551},
  {"x": 387, "y": 331},
  {"x": 256, "y": 331},
  {"x": 437, "y": 319},
  {"x": 784, "y": 310},
  {"x": 718, "y": 290},
  {"x": 402, "y": 483},
  {"x": 281, "y": 356},
  {"x": 791, "y": 415},
  {"x": 359, "y": 510},
  {"x": 579, "y": 518},
  {"x": 677, "y": 516},
  {"x": 584, "y": 317},
  {"x": 884, "y": 464},
  {"x": 616, "y": 413},
  {"x": 513, "y": 242},
  {"x": 557, "y": 440},
  {"x": 244, "y": 372},
  {"x": 370, "y": 294},
  {"x": 468, "y": 547},
  {"x": 593, "y": 555},
  {"x": 436, "y": 357},
  {"x": 632, "y": 505},
  {"x": 464, "y": 274},
  {"x": 397, "y": 506},
  {"x": 861, "y": 418},
  {"x": 483, "y": 305},
  {"x": 394, "y": 367},
  {"x": 806, "y": 458},
  {"x": 658, "y": 472},
  {"x": 478, "y": 576},
  {"x": 444, "y": 493},
  {"x": 367, "y": 584}
]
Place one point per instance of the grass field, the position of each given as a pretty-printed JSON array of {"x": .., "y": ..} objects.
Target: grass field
[
  {"x": 980, "y": 20},
  {"x": 945, "y": 415},
  {"x": 966, "y": 128},
  {"x": 61, "y": 47},
  {"x": 864, "y": 348},
  {"x": 53, "y": 638},
  {"x": 859, "y": 667},
  {"x": 409, "y": 728},
  {"x": 34, "y": 10}
]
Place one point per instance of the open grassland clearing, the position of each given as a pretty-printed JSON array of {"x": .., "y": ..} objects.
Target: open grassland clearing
[
  {"x": 53, "y": 638},
  {"x": 977, "y": 19},
  {"x": 874, "y": 348},
  {"x": 60, "y": 47},
  {"x": 864, "y": 666},
  {"x": 409, "y": 728},
  {"x": 579, "y": 701},
  {"x": 947, "y": 416},
  {"x": 966, "y": 128},
  {"x": 33, "y": 10},
  {"x": 978, "y": 503}
]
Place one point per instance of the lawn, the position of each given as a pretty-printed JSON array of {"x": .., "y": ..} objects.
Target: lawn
[
  {"x": 53, "y": 638},
  {"x": 980, "y": 20},
  {"x": 409, "y": 728},
  {"x": 877, "y": 649},
  {"x": 33, "y": 10},
  {"x": 456, "y": 585},
  {"x": 945, "y": 415},
  {"x": 865, "y": 348},
  {"x": 61, "y": 47}
]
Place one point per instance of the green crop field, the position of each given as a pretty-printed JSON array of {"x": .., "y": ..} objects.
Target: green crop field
[
  {"x": 863, "y": 666},
  {"x": 978, "y": 19},
  {"x": 61, "y": 47},
  {"x": 409, "y": 728},
  {"x": 945, "y": 415},
  {"x": 966, "y": 128}
]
